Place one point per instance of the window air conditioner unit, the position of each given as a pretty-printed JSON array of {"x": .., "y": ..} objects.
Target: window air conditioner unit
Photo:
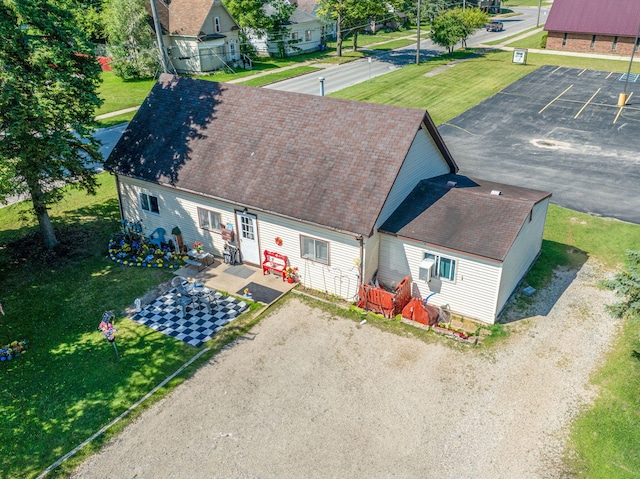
[{"x": 424, "y": 269}]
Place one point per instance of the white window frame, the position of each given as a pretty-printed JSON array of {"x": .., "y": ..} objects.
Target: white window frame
[
  {"x": 313, "y": 244},
  {"x": 209, "y": 221},
  {"x": 307, "y": 35},
  {"x": 147, "y": 203},
  {"x": 438, "y": 267},
  {"x": 294, "y": 35},
  {"x": 216, "y": 24}
]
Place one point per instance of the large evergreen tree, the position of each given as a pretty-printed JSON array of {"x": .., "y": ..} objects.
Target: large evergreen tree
[{"x": 48, "y": 94}]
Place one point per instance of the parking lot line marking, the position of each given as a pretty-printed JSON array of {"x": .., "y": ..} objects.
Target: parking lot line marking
[
  {"x": 549, "y": 104},
  {"x": 588, "y": 101},
  {"x": 556, "y": 69},
  {"x": 582, "y": 72},
  {"x": 610, "y": 73},
  {"x": 622, "y": 108}
]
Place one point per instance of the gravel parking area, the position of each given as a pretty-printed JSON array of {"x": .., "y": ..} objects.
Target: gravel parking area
[{"x": 307, "y": 394}]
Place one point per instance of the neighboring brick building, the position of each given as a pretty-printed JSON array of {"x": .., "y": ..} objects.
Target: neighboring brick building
[{"x": 595, "y": 26}]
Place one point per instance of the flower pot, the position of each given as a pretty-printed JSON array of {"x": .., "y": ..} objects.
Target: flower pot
[{"x": 290, "y": 280}]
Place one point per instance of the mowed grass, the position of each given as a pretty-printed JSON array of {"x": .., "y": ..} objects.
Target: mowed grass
[
  {"x": 119, "y": 94},
  {"x": 69, "y": 384},
  {"x": 454, "y": 90},
  {"x": 606, "y": 438},
  {"x": 532, "y": 41},
  {"x": 279, "y": 75}
]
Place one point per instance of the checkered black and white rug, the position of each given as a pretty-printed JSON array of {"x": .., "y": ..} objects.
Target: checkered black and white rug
[{"x": 197, "y": 326}]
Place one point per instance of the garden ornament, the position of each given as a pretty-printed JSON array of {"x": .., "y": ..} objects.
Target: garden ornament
[{"x": 108, "y": 331}]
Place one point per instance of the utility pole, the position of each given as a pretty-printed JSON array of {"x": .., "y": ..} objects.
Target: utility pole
[
  {"x": 418, "y": 44},
  {"x": 158, "y": 27},
  {"x": 539, "y": 8}
]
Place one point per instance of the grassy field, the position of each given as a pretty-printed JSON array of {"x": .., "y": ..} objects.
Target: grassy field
[
  {"x": 606, "y": 438},
  {"x": 506, "y": 40},
  {"x": 532, "y": 41},
  {"x": 454, "y": 90},
  {"x": 392, "y": 45},
  {"x": 119, "y": 94},
  {"x": 68, "y": 384},
  {"x": 279, "y": 75}
]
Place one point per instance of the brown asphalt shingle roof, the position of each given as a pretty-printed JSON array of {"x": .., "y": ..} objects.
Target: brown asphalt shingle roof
[
  {"x": 183, "y": 17},
  {"x": 595, "y": 17},
  {"x": 465, "y": 218},
  {"x": 322, "y": 160}
]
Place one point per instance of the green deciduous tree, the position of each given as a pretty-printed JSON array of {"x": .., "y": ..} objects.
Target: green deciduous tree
[
  {"x": 351, "y": 16},
  {"x": 448, "y": 28},
  {"x": 48, "y": 94},
  {"x": 132, "y": 41},
  {"x": 627, "y": 284},
  {"x": 473, "y": 19}
]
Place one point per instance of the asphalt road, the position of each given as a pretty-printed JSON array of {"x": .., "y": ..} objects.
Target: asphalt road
[{"x": 348, "y": 74}]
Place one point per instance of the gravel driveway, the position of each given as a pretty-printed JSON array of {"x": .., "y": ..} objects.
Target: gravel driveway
[{"x": 307, "y": 394}]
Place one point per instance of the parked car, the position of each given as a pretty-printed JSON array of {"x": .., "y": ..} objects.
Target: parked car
[{"x": 494, "y": 26}]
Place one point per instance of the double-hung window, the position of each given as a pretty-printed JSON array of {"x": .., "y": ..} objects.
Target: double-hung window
[
  {"x": 216, "y": 24},
  {"x": 209, "y": 220},
  {"x": 307, "y": 35},
  {"x": 314, "y": 249},
  {"x": 435, "y": 266},
  {"x": 149, "y": 203}
]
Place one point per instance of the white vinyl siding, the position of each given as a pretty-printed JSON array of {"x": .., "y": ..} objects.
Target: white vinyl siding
[
  {"x": 423, "y": 161},
  {"x": 339, "y": 277},
  {"x": 371, "y": 255},
  {"x": 523, "y": 253},
  {"x": 474, "y": 292}
]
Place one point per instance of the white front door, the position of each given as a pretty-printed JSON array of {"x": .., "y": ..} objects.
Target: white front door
[{"x": 248, "y": 238}]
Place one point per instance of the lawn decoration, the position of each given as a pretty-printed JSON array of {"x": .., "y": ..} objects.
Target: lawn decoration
[
  {"x": 13, "y": 350},
  {"x": 108, "y": 330}
]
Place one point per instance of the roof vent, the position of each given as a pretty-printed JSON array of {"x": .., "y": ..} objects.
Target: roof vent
[
  {"x": 496, "y": 192},
  {"x": 451, "y": 184}
]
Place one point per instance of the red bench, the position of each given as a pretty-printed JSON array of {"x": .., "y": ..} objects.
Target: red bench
[{"x": 274, "y": 262}]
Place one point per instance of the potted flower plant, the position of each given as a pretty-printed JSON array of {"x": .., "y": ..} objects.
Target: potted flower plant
[
  {"x": 198, "y": 247},
  {"x": 291, "y": 274}
]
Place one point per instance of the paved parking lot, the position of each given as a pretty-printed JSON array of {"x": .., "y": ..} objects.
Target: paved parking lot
[{"x": 559, "y": 130}]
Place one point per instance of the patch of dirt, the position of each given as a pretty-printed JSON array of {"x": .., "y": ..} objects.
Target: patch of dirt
[{"x": 312, "y": 395}]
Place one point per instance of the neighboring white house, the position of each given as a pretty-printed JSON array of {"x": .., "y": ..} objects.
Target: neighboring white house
[
  {"x": 199, "y": 35},
  {"x": 294, "y": 174},
  {"x": 304, "y": 33}
]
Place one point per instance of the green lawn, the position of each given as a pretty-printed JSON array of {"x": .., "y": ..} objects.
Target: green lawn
[
  {"x": 606, "y": 438},
  {"x": 506, "y": 40},
  {"x": 119, "y": 94},
  {"x": 392, "y": 45},
  {"x": 68, "y": 384},
  {"x": 455, "y": 90},
  {"x": 280, "y": 75},
  {"x": 532, "y": 41}
]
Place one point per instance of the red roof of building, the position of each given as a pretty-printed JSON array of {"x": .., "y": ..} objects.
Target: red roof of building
[{"x": 595, "y": 17}]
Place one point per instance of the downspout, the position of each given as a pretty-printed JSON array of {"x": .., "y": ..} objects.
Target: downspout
[
  {"x": 119, "y": 196},
  {"x": 361, "y": 265}
]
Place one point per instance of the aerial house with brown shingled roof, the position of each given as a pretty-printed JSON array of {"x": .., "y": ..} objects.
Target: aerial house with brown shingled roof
[{"x": 335, "y": 185}]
